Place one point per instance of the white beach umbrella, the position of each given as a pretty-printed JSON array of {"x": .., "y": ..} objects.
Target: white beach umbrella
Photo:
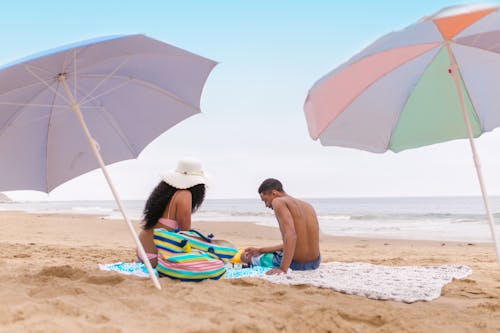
[
  {"x": 72, "y": 109},
  {"x": 434, "y": 81}
]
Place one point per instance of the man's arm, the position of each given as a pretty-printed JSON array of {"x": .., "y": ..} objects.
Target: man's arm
[
  {"x": 254, "y": 251},
  {"x": 287, "y": 228},
  {"x": 271, "y": 248}
]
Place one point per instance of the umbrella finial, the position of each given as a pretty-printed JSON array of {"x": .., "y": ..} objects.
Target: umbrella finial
[{"x": 61, "y": 76}]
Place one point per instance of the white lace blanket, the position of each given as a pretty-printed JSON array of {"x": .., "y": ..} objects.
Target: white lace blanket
[{"x": 398, "y": 283}]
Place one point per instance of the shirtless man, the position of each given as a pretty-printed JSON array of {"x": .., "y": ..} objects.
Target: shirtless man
[{"x": 299, "y": 230}]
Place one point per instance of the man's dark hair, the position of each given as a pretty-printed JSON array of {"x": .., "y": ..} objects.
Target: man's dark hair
[{"x": 270, "y": 184}]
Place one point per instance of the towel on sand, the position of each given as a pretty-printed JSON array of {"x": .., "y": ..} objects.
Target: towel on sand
[
  {"x": 398, "y": 283},
  {"x": 140, "y": 270},
  {"x": 127, "y": 268}
]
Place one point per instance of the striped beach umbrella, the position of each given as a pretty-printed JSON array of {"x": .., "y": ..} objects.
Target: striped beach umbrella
[{"x": 434, "y": 81}]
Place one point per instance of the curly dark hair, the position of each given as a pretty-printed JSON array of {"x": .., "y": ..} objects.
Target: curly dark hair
[{"x": 161, "y": 196}]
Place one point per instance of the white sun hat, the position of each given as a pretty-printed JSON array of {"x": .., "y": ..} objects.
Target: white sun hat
[{"x": 187, "y": 174}]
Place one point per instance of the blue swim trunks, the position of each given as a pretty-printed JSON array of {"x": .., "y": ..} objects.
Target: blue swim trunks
[{"x": 274, "y": 260}]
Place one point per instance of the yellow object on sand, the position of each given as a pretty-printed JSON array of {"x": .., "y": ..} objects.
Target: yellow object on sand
[{"x": 237, "y": 257}]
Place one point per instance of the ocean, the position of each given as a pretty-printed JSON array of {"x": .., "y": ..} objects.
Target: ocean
[{"x": 422, "y": 218}]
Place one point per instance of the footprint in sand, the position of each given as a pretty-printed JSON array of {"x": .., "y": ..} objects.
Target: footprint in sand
[
  {"x": 279, "y": 293},
  {"x": 108, "y": 280},
  {"x": 242, "y": 282},
  {"x": 97, "y": 318},
  {"x": 372, "y": 320},
  {"x": 22, "y": 255},
  {"x": 493, "y": 307},
  {"x": 65, "y": 272},
  {"x": 48, "y": 291}
]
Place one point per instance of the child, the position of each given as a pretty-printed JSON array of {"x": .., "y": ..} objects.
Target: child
[{"x": 271, "y": 259}]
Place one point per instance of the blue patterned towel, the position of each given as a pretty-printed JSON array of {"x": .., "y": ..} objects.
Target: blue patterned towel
[
  {"x": 140, "y": 270},
  {"x": 233, "y": 273},
  {"x": 128, "y": 268}
]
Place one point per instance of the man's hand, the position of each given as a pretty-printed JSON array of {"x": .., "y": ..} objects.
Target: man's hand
[
  {"x": 252, "y": 251},
  {"x": 275, "y": 271}
]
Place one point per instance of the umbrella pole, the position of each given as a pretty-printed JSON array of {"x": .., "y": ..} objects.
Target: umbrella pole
[
  {"x": 140, "y": 248},
  {"x": 477, "y": 163}
]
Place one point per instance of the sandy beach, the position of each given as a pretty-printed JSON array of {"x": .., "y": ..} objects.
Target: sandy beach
[{"x": 51, "y": 283}]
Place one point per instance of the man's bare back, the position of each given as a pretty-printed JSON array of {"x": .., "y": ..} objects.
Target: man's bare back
[{"x": 306, "y": 228}]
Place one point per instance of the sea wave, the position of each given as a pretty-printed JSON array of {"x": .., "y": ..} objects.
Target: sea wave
[
  {"x": 438, "y": 219},
  {"x": 92, "y": 209},
  {"x": 454, "y": 218},
  {"x": 334, "y": 217}
]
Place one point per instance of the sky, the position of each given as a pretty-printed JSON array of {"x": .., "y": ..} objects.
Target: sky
[{"x": 252, "y": 124}]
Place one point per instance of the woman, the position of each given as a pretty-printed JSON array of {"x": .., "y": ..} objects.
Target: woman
[{"x": 180, "y": 193}]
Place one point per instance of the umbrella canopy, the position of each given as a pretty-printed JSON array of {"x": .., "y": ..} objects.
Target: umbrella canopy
[
  {"x": 434, "y": 81},
  {"x": 75, "y": 108},
  {"x": 398, "y": 92},
  {"x": 130, "y": 89}
]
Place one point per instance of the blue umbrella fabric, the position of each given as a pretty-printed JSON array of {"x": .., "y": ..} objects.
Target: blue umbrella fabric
[{"x": 129, "y": 89}]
